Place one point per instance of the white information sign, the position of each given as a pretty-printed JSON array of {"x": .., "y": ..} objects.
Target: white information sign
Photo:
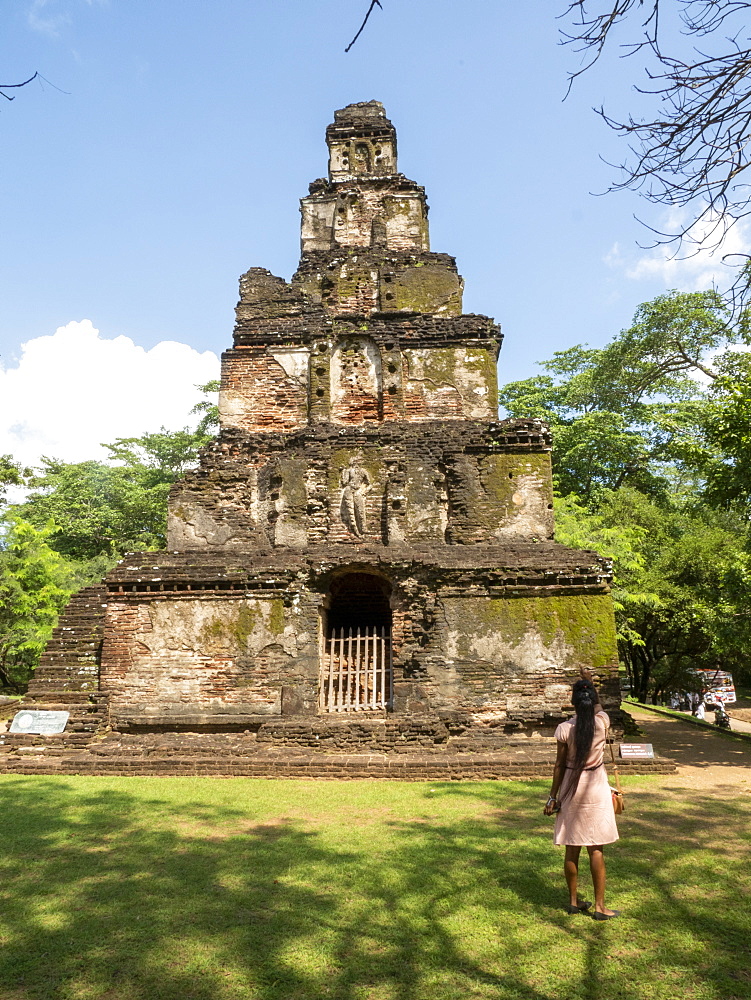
[
  {"x": 637, "y": 750},
  {"x": 39, "y": 723}
]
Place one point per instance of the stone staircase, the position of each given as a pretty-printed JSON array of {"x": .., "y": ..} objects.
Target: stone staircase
[{"x": 67, "y": 678}]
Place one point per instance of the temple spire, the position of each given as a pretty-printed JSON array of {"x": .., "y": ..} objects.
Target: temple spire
[
  {"x": 365, "y": 202},
  {"x": 362, "y": 142}
]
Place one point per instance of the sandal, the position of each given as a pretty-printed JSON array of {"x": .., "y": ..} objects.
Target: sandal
[{"x": 579, "y": 907}]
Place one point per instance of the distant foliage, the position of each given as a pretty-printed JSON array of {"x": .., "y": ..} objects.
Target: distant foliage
[
  {"x": 651, "y": 460},
  {"x": 102, "y": 509},
  {"x": 35, "y": 585},
  {"x": 11, "y": 474},
  {"x": 208, "y": 409},
  {"x": 77, "y": 520}
]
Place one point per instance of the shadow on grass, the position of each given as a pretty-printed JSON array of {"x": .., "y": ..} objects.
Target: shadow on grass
[
  {"x": 682, "y": 869},
  {"x": 124, "y": 896}
]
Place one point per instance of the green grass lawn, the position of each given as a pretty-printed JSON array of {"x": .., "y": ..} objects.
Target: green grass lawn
[{"x": 207, "y": 889}]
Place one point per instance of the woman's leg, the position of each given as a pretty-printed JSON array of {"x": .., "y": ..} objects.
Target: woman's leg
[
  {"x": 571, "y": 871},
  {"x": 597, "y": 867}
]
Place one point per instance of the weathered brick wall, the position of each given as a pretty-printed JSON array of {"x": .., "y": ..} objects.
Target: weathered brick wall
[
  {"x": 450, "y": 382},
  {"x": 375, "y": 279},
  {"x": 264, "y": 389},
  {"x": 356, "y": 381},
  {"x": 515, "y": 658},
  {"x": 500, "y": 645},
  {"x": 361, "y": 140},
  {"x": 359, "y": 373},
  {"x": 348, "y": 214},
  {"x": 496, "y": 496},
  {"x": 179, "y": 655},
  {"x": 459, "y": 482},
  {"x": 385, "y": 756},
  {"x": 365, "y": 200}
]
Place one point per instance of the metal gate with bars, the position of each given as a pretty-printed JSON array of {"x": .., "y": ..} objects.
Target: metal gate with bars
[{"x": 356, "y": 674}]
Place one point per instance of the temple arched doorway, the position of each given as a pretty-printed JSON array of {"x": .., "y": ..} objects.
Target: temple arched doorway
[{"x": 356, "y": 668}]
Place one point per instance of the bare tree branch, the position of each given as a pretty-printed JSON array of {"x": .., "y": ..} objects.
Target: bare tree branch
[
  {"x": 12, "y": 86},
  {"x": 373, "y": 4},
  {"x": 693, "y": 149}
]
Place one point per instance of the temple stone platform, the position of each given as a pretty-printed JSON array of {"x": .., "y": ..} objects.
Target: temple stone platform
[{"x": 229, "y": 755}]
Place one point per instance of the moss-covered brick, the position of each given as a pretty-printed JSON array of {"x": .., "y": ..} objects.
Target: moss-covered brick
[
  {"x": 470, "y": 372},
  {"x": 276, "y": 617},
  {"x": 508, "y": 479},
  {"x": 426, "y": 289},
  {"x": 583, "y": 623},
  {"x": 230, "y": 628},
  {"x": 244, "y": 625}
]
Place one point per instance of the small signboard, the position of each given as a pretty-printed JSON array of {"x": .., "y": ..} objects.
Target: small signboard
[
  {"x": 39, "y": 723},
  {"x": 637, "y": 750}
]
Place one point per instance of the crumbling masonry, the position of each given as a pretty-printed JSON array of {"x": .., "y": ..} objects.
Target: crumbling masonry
[{"x": 365, "y": 554}]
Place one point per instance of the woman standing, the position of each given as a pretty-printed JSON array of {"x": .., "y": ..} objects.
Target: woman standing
[{"x": 580, "y": 794}]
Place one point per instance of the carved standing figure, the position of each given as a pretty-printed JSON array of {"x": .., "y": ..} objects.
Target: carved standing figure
[{"x": 355, "y": 484}]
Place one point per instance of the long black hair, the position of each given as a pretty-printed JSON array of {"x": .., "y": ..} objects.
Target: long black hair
[{"x": 586, "y": 702}]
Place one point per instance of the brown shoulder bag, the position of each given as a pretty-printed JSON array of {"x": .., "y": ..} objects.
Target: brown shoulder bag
[{"x": 616, "y": 793}]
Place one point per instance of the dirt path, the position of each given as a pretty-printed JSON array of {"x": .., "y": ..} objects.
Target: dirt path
[{"x": 706, "y": 759}]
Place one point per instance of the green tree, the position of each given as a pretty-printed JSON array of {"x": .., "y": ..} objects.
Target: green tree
[
  {"x": 621, "y": 543},
  {"x": 35, "y": 585},
  {"x": 650, "y": 459},
  {"x": 11, "y": 474},
  {"x": 682, "y": 584},
  {"x": 97, "y": 509},
  {"x": 162, "y": 457},
  {"x": 723, "y": 453},
  {"x": 623, "y": 414},
  {"x": 697, "y": 565},
  {"x": 208, "y": 408},
  {"x": 105, "y": 510}
]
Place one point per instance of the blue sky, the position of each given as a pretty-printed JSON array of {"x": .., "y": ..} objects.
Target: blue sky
[{"x": 188, "y": 133}]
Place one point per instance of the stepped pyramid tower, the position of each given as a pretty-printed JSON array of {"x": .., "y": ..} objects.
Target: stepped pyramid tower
[{"x": 364, "y": 544}]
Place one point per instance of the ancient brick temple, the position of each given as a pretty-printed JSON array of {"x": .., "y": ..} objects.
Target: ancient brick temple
[{"x": 365, "y": 546}]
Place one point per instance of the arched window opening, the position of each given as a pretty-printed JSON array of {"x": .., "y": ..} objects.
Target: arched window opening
[
  {"x": 363, "y": 161},
  {"x": 356, "y": 669}
]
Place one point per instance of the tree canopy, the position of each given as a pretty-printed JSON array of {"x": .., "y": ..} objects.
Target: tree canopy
[
  {"x": 631, "y": 413},
  {"x": 76, "y": 521},
  {"x": 35, "y": 584},
  {"x": 651, "y": 454},
  {"x": 107, "y": 509}
]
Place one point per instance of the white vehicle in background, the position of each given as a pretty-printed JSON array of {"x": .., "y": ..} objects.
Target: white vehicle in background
[{"x": 717, "y": 685}]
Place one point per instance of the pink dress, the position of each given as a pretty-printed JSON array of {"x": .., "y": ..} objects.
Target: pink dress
[{"x": 586, "y": 817}]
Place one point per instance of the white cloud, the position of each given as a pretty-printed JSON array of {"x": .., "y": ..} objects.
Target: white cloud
[
  {"x": 46, "y": 17},
  {"x": 614, "y": 257},
  {"x": 49, "y": 17},
  {"x": 697, "y": 265},
  {"x": 73, "y": 390}
]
